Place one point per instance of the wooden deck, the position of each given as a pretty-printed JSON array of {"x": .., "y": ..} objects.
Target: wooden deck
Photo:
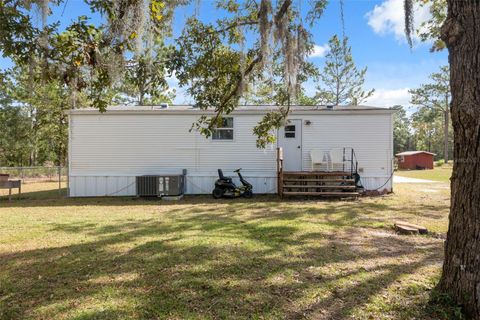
[
  {"x": 338, "y": 184},
  {"x": 317, "y": 183},
  {"x": 318, "y": 173}
]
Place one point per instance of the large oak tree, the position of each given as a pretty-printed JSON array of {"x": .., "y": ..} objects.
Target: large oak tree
[
  {"x": 460, "y": 33},
  {"x": 461, "y": 269}
]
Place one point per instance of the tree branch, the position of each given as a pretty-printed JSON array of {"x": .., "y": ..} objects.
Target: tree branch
[
  {"x": 234, "y": 91},
  {"x": 278, "y": 16},
  {"x": 247, "y": 71},
  {"x": 283, "y": 10},
  {"x": 236, "y": 24}
]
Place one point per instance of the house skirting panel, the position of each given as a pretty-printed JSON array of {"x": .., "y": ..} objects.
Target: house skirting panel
[
  {"x": 377, "y": 183},
  {"x": 111, "y": 186}
]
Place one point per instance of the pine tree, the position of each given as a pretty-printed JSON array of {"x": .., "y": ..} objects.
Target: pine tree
[
  {"x": 436, "y": 96},
  {"x": 341, "y": 81},
  {"x": 401, "y": 130}
]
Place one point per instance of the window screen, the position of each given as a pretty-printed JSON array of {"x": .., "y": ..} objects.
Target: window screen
[{"x": 224, "y": 131}]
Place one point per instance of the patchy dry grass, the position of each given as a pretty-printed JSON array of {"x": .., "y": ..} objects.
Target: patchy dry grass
[
  {"x": 441, "y": 174},
  {"x": 123, "y": 258}
]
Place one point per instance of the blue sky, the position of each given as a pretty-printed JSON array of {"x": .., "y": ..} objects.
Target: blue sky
[{"x": 375, "y": 30}]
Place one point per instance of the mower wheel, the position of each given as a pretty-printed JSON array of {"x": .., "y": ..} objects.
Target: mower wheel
[
  {"x": 217, "y": 193},
  {"x": 248, "y": 194}
]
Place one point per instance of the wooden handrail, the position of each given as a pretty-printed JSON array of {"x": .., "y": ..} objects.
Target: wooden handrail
[{"x": 280, "y": 171}]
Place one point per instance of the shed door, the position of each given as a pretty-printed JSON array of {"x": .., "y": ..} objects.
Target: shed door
[{"x": 290, "y": 139}]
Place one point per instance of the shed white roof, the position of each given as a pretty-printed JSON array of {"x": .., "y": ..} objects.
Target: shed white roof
[{"x": 409, "y": 153}]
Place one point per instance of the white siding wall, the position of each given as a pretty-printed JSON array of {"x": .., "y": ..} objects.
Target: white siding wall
[
  {"x": 369, "y": 135},
  {"x": 107, "y": 151}
]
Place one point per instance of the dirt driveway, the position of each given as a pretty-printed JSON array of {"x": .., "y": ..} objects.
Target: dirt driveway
[{"x": 399, "y": 179}]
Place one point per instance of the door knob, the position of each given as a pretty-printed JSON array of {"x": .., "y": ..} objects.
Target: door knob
[{"x": 298, "y": 147}]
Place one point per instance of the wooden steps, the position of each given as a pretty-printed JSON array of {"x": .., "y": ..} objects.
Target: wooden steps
[
  {"x": 323, "y": 194},
  {"x": 318, "y": 180},
  {"x": 311, "y": 186},
  {"x": 317, "y": 183},
  {"x": 316, "y": 173}
]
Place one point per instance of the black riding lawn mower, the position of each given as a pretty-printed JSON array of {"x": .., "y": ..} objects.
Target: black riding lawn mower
[{"x": 225, "y": 188}]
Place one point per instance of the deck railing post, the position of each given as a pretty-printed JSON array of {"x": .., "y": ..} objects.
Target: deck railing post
[
  {"x": 351, "y": 162},
  {"x": 280, "y": 172}
]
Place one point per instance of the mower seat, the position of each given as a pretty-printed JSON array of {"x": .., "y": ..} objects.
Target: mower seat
[{"x": 222, "y": 177}]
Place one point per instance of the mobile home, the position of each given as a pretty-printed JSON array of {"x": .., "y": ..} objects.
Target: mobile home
[{"x": 107, "y": 151}]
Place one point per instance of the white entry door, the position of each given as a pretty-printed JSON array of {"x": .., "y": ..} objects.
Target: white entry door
[{"x": 290, "y": 140}]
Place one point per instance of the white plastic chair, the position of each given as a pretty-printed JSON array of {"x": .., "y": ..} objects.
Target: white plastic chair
[
  {"x": 336, "y": 158},
  {"x": 320, "y": 158}
]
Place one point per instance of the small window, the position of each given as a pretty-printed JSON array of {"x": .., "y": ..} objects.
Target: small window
[
  {"x": 224, "y": 131},
  {"x": 290, "y": 131}
]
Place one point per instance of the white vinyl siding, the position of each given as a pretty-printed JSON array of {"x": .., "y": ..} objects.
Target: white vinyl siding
[
  {"x": 146, "y": 144},
  {"x": 369, "y": 135},
  {"x": 107, "y": 150}
]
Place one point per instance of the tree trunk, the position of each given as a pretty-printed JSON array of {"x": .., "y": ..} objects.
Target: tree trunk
[
  {"x": 446, "y": 124},
  {"x": 337, "y": 92},
  {"x": 429, "y": 141},
  {"x": 141, "y": 93},
  {"x": 461, "y": 269}
]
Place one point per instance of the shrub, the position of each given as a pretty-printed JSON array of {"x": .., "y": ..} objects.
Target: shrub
[{"x": 439, "y": 163}]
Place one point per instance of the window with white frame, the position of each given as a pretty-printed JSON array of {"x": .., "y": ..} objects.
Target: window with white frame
[{"x": 225, "y": 130}]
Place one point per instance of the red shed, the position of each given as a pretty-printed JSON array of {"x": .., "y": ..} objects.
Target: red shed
[{"x": 415, "y": 160}]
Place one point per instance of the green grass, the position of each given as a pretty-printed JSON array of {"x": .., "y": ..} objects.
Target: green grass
[
  {"x": 125, "y": 258},
  {"x": 441, "y": 174}
]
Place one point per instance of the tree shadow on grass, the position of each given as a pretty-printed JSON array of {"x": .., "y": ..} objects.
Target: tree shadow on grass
[
  {"x": 51, "y": 198},
  {"x": 215, "y": 264}
]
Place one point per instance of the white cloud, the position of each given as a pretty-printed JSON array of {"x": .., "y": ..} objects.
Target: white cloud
[
  {"x": 389, "y": 97},
  {"x": 319, "y": 51},
  {"x": 389, "y": 18},
  {"x": 172, "y": 79},
  {"x": 181, "y": 95}
]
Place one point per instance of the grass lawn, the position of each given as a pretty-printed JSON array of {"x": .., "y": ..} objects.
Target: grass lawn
[
  {"x": 124, "y": 258},
  {"x": 441, "y": 174}
]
